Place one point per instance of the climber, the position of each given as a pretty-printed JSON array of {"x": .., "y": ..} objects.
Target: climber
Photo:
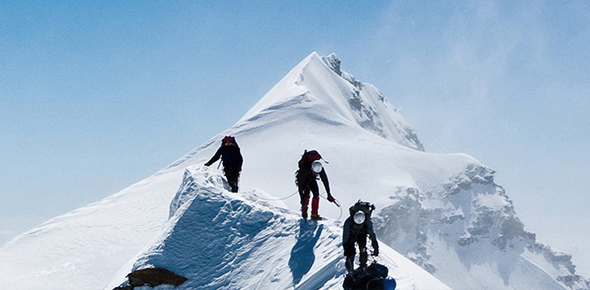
[
  {"x": 309, "y": 169},
  {"x": 231, "y": 159},
  {"x": 355, "y": 230}
]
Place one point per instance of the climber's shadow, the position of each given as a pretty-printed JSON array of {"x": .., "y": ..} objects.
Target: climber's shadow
[{"x": 302, "y": 256}]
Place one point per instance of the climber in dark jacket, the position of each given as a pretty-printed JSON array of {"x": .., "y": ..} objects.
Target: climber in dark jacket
[
  {"x": 355, "y": 230},
  {"x": 309, "y": 168},
  {"x": 232, "y": 161}
]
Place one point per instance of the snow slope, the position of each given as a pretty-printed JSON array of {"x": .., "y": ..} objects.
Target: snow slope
[
  {"x": 223, "y": 240},
  {"x": 442, "y": 211}
]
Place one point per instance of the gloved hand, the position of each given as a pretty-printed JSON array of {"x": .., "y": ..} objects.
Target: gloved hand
[
  {"x": 376, "y": 252},
  {"x": 332, "y": 199}
]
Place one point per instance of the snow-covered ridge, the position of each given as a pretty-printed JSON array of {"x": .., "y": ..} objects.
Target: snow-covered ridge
[{"x": 222, "y": 240}]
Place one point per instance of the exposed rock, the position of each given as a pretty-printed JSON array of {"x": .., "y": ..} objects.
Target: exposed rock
[{"x": 152, "y": 277}]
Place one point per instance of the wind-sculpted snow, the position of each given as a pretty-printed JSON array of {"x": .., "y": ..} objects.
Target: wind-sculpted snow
[{"x": 223, "y": 240}]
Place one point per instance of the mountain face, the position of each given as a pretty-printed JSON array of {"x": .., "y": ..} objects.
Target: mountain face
[
  {"x": 468, "y": 228},
  {"x": 444, "y": 212}
]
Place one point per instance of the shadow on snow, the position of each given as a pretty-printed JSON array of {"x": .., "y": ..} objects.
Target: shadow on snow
[{"x": 302, "y": 256}]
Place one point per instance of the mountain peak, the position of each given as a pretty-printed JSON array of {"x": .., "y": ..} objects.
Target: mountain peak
[{"x": 318, "y": 85}]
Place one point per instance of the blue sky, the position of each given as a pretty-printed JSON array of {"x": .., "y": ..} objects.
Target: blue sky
[{"x": 95, "y": 96}]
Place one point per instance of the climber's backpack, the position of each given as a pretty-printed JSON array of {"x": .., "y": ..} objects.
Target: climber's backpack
[
  {"x": 373, "y": 277},
  {"x": 366, "y": 207},
  {"x": 309, "y": 157}
]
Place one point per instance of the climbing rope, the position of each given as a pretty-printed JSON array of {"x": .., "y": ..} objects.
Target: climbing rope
[
  {"x": 386, "y": 259},
  {"x": 288, "y": 196},
  {"x": 337, "y": 204},
  {"x": 282, "y": 198}
]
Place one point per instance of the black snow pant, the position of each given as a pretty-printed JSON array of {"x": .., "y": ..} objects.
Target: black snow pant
[
  {"x": 233, "y": 175},
  {"x": 350, "y": 251},
  {"x": 305, "y": 186}
]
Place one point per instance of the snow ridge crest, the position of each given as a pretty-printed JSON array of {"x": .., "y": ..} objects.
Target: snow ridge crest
[{"x": 222, "y": 240}]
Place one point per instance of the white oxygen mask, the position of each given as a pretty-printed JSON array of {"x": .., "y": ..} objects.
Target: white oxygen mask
[
  {"x": 316, "y": 166},
  {"x": 359, "y": 217}
]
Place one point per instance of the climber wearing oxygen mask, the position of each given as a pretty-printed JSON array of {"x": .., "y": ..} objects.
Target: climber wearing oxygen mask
[
  {"x": 310, "y": 168},
  {"x": 355, "y": 231}
]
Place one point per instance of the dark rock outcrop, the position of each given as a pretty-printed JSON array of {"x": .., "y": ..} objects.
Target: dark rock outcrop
[{"x": 152, "y": 277}]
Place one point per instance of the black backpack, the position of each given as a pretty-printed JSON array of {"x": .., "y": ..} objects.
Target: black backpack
[
  {"x": 366, "y": 207},
  {"x": 370, "y": 278}
]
